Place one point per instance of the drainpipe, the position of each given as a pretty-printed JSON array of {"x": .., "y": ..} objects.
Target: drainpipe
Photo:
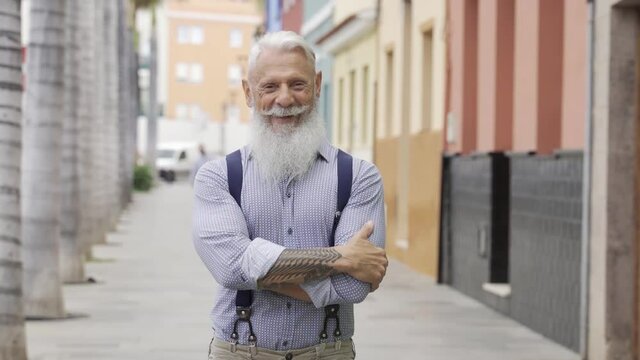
[
  {"x": 586, "y": 192},
  {"x": 374, "y": 153}
]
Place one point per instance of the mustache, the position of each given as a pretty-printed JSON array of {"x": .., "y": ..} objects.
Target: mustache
[{"x": 280, "y": 111}]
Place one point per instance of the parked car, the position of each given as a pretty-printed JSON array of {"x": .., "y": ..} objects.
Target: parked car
[{"x": 175, "y": 160}]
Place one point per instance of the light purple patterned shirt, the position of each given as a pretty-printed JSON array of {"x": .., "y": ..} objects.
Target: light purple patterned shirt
[{"x": 297, "y": 213}]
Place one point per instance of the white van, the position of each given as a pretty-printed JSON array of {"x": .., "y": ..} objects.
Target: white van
[{"x": 175, "y": 159}]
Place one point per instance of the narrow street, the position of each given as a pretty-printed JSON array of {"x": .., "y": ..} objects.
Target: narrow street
[{"x": 153, "y": 295}]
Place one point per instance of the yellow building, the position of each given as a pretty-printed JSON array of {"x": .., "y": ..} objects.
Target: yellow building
[
  {"x": 352, "y": 42},
  {"x": 411, "y": 96},
  {"x": 208, "y": 44}
]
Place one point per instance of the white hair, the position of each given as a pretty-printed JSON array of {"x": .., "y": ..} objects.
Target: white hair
[{"x": 281, "y": 40}]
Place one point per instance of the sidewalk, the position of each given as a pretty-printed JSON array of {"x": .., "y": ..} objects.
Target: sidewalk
[{"x": 153, "y": 297}]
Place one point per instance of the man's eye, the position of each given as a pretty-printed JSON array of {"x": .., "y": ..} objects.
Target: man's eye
[
  {"x": 299, "y": 86},
  {"x": 269, "y": 88}
]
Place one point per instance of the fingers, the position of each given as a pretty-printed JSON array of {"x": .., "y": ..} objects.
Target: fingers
[{"x": 366, "y": 230}]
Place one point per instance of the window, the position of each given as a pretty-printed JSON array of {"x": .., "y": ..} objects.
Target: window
[
  {"x": 340, "y": 108},
  {"x": 351, "y": 121},
  {"x": 427, "y": 78},
  {"x": 182, "y": 71},
  {"x": 287, "y": 5},
  {"x": 235, "y": 38},
  {"x": 389, "y": 95},
  {"x": 197, "y": 36},
  {"x": 365, "y": 105},
  {"x": 196, "y": 73},
  {"x": 183, "y": 34},
  {"x": 190, "y": 35},
  {"x": 235, "y": 75},
  {"x": 182, "y": 111},
  {"x": 189, "y": 72}
]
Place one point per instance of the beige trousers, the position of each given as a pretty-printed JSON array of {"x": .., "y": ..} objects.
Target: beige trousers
[{"x": 222, "y": 350}]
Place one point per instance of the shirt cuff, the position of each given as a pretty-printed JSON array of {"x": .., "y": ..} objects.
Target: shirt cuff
[
  {"x": 258, "y": 258},
  {"x": 319, "y": 291}
]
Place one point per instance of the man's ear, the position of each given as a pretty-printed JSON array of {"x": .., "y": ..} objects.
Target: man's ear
[
  {"x": 318, "y": 83},
  {"x": 247, "y": 93}
]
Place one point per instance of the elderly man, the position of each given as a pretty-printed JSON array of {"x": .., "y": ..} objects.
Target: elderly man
[{"x": 289, "y": 226}]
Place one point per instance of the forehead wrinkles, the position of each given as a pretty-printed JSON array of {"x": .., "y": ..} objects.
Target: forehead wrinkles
[{"x": 282, "y": 64}]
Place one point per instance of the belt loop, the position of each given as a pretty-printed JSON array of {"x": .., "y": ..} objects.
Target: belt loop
[
  {"x": 338, "y": 344},
  {"x": 253, "y": 350},
  {"x": 232, "y": 347}
]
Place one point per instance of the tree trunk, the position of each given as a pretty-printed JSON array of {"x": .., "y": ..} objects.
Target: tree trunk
[
  {"x": 124, "y": 102},
  {"x": 112, "y": 110},
  {"x": 41, "y": 160},
  {"x": 86, "y": 68},
  {"x": 71, "y": 255},
  {"x": 99, "y": 194},
  {"x": 152, "y": 120},
  {"x": 12, "y": 334}
]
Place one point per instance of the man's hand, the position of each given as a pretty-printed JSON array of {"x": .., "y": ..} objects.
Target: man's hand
[
  {"x": 358, "y": 258},
  {"x": 361, "y": 259}
]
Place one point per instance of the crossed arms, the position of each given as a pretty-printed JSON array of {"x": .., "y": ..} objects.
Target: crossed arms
[{"x": 345, "y": 273}]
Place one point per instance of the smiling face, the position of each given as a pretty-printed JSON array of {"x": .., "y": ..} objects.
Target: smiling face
[{"x": 283, "y": 87}]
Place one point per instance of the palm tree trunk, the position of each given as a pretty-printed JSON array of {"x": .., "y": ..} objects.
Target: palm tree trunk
[
  {"x": 152, "y": 121},
  {"x": 75, "y": 115},
  {"x": 99, "y": 194},
  {"x": 41, "y": 160},
  {"x": 86, "y": 69},
  {"x": 124, "y": 102},
  {"x": 12, "y": 334},
  {"x": 111, "y": 110}
]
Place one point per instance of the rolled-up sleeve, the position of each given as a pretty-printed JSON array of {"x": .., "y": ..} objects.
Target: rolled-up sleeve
[
  {"x": 220, "y": 233},
  {"x": 366, "y": 203}
]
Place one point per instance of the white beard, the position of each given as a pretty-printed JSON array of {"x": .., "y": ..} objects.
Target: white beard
[{"x": 290, "y": 151}]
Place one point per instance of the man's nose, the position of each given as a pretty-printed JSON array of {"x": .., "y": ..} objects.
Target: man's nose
[{"x": 284, "y": 98}]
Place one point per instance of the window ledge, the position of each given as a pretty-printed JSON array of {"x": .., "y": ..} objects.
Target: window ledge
[{"x": 498, "y": 289}]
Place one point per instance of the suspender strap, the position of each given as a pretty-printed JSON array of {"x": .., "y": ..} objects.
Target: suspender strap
[
  {"x": 244, "y": 298},
  {"x": 234, "y": 175},
  {"x": 345, "y": 179}
]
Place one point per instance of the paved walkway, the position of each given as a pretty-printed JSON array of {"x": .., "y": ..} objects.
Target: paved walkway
[{"x": 154, "y": 295}]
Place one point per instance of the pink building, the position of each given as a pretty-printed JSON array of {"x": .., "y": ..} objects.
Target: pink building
[
  {"x": 513, "y": 166},
  {"x": 292, "y": 15},
  {"x": 518, "y": 75}
]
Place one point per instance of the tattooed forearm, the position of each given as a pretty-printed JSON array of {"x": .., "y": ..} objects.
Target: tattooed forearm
[{"x": 295, "y": 267}]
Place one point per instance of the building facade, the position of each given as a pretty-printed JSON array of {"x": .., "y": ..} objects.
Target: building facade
[
  {"x": 512, "y": 229},
  {"x": 273, "y": 15},
  {"x": 208, "y": 44},
  {"x": 317, "y": 20},
  {"x": 410, "y": 99},
  {"x": 614, "y": 260},
  {"x": 292, "y": 15},
  {"x": 352, "y": 42}
]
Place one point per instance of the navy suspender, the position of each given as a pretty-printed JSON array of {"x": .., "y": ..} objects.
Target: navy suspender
[
  {"x": 345, "y": 178},
  {"x": 244, "y": 298}
]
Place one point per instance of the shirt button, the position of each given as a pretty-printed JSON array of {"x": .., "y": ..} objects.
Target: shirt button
[
  {"x": 288, "y": 305},
  {"x": 288, "y": 194},
  {"x": 290, "y": 231},
  {"x": 289, "y": 356}
]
